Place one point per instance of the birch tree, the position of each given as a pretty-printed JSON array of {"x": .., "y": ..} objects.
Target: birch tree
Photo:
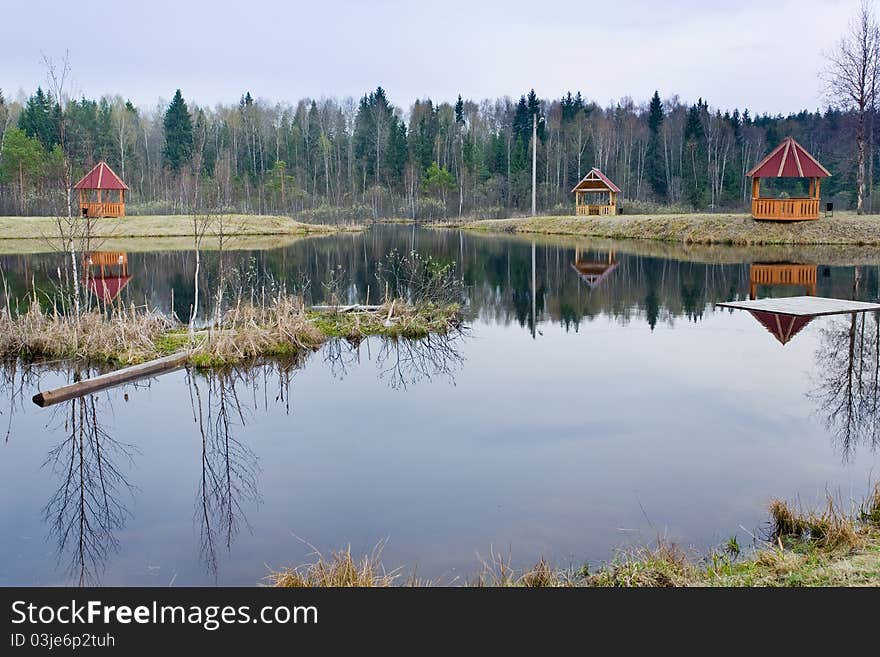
[{"x": 851, "y": 80}]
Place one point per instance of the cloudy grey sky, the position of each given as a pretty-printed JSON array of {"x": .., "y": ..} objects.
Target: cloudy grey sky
[{"x": 763, "y": 54}]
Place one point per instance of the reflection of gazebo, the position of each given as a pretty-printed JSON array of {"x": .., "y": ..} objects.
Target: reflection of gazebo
[
  {"x": 783, "y": 327},
  {"x": 106, "y": 273},
  {"x": 595, "y": 182},
  {"x": 91, "y": 193},
  {"x": 788, "y": 160},
  {"x": 593, "y": 272},
  {"x": 782, "y": 273}
]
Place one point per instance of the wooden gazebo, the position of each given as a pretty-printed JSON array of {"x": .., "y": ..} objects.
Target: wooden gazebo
[
  {"x": 95, "y": 191},
  {"x": 788, "y": 160},
  {"x": 595, "y": 183},
  {"x": 106, "y": 273}
]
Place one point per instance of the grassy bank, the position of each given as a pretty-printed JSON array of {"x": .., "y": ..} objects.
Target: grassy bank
[
  {"x": 731, "y": 229},
  {"x": 815, "y": 548},
  {"x": 281, "y": 327},
  {"x": 45, "y": 229},
  {"x": 153, "y": 244}
]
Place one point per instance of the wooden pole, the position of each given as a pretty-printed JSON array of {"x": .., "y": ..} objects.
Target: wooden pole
[
  {"x": 80, "y": 388},
  {"x": 534, "y": 163}
]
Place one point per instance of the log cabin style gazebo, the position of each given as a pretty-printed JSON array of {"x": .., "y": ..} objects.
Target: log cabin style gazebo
[
  {"x": 595, "y": 182},
  {"x": 788, "y": 160},
  {"x": 95, "y": 191}
]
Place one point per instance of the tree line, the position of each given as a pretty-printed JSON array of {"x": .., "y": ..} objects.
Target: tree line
[{"x": 333, "y": 159}]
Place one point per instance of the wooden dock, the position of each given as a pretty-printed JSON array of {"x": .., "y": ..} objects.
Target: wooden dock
[{"x": 803, "y": 306}]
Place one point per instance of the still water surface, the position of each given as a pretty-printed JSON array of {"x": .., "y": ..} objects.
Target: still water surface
[{"x": 606, "y": 404}]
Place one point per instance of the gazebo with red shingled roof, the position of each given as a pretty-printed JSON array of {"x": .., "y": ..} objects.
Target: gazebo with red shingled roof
[
  {"x": 788, "y": 160},
  {"x": 91, "y": 192},
  {"x": 595, "y": 182}
]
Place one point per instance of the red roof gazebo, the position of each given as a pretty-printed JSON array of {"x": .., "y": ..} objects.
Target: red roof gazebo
[
  {"x": 788, "y": 160},
  {"x": 91, "y": 192},
  {"x": 595, "y": 182}
]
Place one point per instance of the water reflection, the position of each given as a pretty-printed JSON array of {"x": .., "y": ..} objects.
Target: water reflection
[
  {"x": 782, "y": 327},
  {"x": 105, "y": 274},
  {"x": 88, "y": 506},
  {"x": 509, "y": 279},
  {"x": 848, "y": 380},
  {"x": 591, "y": 269},
  {"x": 229, "y": 468},
  {"x": 782, "y": 274}
]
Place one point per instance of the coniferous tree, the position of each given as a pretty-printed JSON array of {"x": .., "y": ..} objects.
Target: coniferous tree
[
  {"x": 38, "y": 119},
  {"x": 178, "y": 133},
  {"x": 459, "y": 110},
  {"x": 655, "y": 163},
  {"x": 693, "y": 167}
]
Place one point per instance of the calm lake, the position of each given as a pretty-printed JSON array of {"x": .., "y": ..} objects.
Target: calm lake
[{"x": 596, "y": 399}]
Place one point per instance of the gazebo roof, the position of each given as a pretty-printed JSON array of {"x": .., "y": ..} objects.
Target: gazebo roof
[
  {"x": 596, "y": 176},
  {"x": 783, "y": 327},
  {"x": 593, "y": 273},
  {"x": 789, "y": 160},
  {"x": 107, "y": 289},
  {"x": 101, "y": 177}
]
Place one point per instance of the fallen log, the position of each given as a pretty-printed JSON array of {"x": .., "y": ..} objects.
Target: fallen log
[
  {"x": 354, "y": 308},
  {"x": 111, "y": 379}
]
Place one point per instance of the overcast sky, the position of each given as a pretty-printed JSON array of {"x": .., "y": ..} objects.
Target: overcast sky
[{"x": 763, "y": 55}]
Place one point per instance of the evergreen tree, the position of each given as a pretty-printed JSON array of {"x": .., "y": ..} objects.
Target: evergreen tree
[
  {"x": 38, "y": 119},
  {"x": 459, "y": 110},
  {"x": 178, "y": 133},
  {"x": 693, "y": 168},
  {"x": 655, "y": 163}
]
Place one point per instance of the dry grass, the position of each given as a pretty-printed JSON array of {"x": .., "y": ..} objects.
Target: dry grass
[
  {"x": 153, "y": 244},
  {"x": 341, "y": 569},
  {"x": 733, "y": 229},
  {"x": 829, "y": 529},
  {"x": 46, "y": 229},
  {"x": 248, "y": 331},
  {"x": 280, "y": 327},
  {"x": 662, "y": 566},
  {"x": 123, "y": 335},
  {"x": 870, "y": 508}
]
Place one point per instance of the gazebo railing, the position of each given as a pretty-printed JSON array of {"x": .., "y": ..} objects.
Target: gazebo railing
[
  {"x": 586, "y": 210},
  {"x": 785, "y": 208},
  {"x": 102, "y": 209}
]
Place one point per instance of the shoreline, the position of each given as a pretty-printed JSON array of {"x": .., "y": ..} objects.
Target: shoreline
[
  {"x": 812, "y": 548},
  {"x": 41, "y": 234},
  {"x": 704, "y": 229}
]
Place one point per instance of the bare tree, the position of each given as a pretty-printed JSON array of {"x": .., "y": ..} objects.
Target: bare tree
[{"x": 851, "y": 80}]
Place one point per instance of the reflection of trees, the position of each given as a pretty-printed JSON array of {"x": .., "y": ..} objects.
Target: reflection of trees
[
  {"x": 406, "y": 362},
  {"x": 16, "y": 378},
  {"x": 848, "y": 365},
  {"x": 228, "y": 477},
  {"x": 87, "y": 509}
]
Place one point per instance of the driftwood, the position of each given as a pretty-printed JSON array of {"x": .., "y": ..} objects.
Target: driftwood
[
  {"x": 354, "y": 308},
  {"x": 126, "y": 374}
]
